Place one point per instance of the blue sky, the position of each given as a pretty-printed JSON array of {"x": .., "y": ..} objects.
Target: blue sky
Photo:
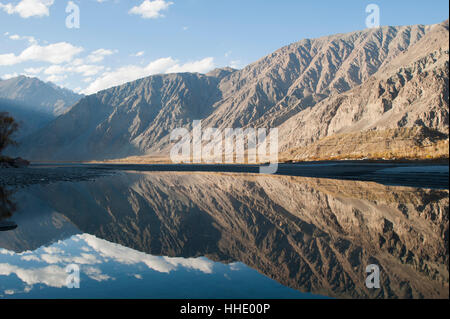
[{"x": 122, "y": 40}]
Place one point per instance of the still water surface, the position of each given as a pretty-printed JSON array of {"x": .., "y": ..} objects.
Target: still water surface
[{"x": 224, "y": 235}]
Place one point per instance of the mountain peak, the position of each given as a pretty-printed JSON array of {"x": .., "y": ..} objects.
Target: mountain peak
[
  {"x": 42, "y": 96},
  {"x": 220, "y": 73}
]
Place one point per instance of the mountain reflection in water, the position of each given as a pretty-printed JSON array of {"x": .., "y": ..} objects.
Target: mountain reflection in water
[{"x": 277, "y": 236}]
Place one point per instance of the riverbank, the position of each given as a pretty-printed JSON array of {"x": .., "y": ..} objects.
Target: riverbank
[{"x": 418, "y": 174}]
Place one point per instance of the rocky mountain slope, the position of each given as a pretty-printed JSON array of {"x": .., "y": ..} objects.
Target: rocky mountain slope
[
  {"x": 406, "y": 103},
  {"x": 380, "y": 79}
]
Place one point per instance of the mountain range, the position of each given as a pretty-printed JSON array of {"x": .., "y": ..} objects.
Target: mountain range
[
  {"x": 41, "y": 96},
  {"x": 34, "y": 103},
  {"x": 376, "y": 93}
]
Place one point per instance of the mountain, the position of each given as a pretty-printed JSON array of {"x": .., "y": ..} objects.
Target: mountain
[
  {"x": 33, "y": 103},
  {"x": 391, "y": 80},
  {"x": 127, "y": 119},
  {"x": 37, "y": 95},
  {"x": 29, "y": 120},
  {"x": 404, "y": 106}
]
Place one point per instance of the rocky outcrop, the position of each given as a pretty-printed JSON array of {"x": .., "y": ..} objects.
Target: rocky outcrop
[
  {"x": 408, "y": 96},
  {"x": 18, "y": 162}
]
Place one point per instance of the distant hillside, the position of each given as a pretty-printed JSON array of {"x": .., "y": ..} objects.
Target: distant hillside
[
  {"x": 38, "y": 95},
  {"x": 28, "y": 119}
]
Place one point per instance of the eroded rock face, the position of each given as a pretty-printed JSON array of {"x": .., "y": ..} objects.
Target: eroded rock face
[
  {"x": 406, "y": 96},
  {"x": 310, "y": 234}
]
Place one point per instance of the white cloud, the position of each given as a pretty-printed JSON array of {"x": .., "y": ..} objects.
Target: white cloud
[
  {"x": 201, "y": 66},
  {"x": 17, "y": 37},
  {"x": 86, "y": 69},
  {"x": 9, "y": 76},
  {"x": 58, "y": 73},
  {"x": 138, "y": 54},
  {"x": 96, "y": 274},
  {"x": 54, "y": 70},
  {"x": 28, "y": 8},
  {"x": 56, "y": 53},
  {"x": 56, "y": 78},
  {"x": 134, "y": 72},
  {"x": 34, "y": 70},
  {"x": 83, "y": 259},
  {"x": 52, "y": 261},
  {"x": 52, "y": 276},
  {"x": 99, "y": 55},
  {"x": 236, "y": 64},
  {"x": 6, "y": 252},
  {"x": 129, "y": 256},
  {"x": 30, "y": 258},
  {"x": 151, "y": 9}
]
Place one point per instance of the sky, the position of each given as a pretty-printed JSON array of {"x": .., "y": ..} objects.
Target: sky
[{"x": 117, "y": 41}]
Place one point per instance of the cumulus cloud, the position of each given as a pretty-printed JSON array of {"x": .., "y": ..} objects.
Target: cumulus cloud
[
  {"x": 57, "y": 73},
  {"x": 30, "y": 258},
  {"x": 99, "y": 55},
  {"x": 9, "y": 76},
  {"x": 96, "y": 274},
  {"x": 34, "y": 71},
  {"x": 83, "y": 259},
  {"x": 128, "y": 256},
  {"x": 30, "y": 39},
  {"x": 201, "y": 66},
  {"x": 52, "y": 262},
  {"x": 134, "y": 72},
  {"x": 56, "y": 78},
  {"x": 52, "y": 276},
  {"x": 151, "y": 9},
  {"x": 236, "y": 64},
  {"x": 56, "y": 53},
  {"x": 28, "y": 8},
  {"x": 138, "y": 54}
]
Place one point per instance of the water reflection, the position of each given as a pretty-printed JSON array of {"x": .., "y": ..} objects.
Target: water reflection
[
  {"x": 7, "y": 208},
  {"x": 309, "y": 235}
]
